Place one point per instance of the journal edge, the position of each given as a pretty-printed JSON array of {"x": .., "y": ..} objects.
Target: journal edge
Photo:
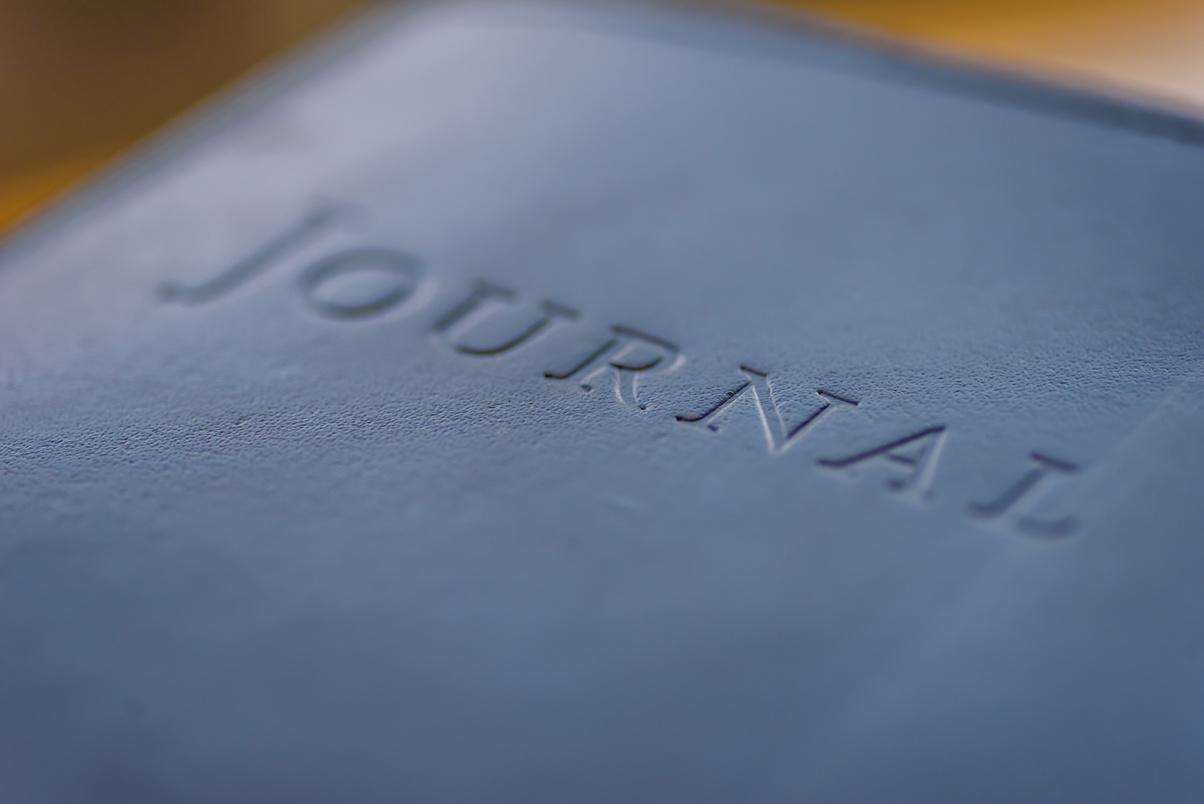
[{"x": 751, "y": 29}]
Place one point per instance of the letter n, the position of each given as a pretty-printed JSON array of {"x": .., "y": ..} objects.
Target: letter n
[{"x": 778, "y": 435}]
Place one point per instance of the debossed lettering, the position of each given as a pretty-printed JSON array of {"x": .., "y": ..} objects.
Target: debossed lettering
[
  {"x": 250, "y": 267},
  {"x": 491, "y": 321},
  {"x": 486, "y": 301},
  {"x": 915, "y": 456},
  {"x": 1015, "y": 506},
  {"x": 394, "y": 276},
  {"x": 628, "y": 355},
  {"x": 779, "y": 437}
]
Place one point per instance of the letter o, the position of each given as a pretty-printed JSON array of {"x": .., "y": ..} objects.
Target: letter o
[{"x": 403, "y": 271}]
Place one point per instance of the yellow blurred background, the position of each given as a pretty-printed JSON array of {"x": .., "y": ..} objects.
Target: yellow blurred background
[{"x": 81, "y": 81}]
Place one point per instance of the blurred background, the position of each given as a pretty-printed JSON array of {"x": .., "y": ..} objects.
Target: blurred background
[{"x": 82, "y": 81}]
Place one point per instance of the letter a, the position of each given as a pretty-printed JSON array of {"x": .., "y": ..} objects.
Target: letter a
[
  {"x": 779, "y": 437},
  {"x": 917, "y": 455}
]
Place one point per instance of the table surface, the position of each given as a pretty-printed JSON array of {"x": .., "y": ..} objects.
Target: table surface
[{"x": 84, "y": 81}]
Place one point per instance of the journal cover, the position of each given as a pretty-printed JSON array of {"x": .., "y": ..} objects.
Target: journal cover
[{"x": 569, "y": 402}]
